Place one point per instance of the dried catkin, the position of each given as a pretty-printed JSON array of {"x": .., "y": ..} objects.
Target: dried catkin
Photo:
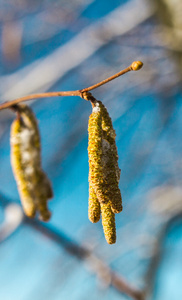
[{"x": 26, "y": 163}]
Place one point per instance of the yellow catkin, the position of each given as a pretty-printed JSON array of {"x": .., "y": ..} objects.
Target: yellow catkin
[
  {"x": 95, "y": 154},
  {"x": 108, "y": 223},
  {"x": 30, "y": 156},
  {"x": 110, "y": 135},
  {"x": 110, "y": 161},
  {"x": 104, "y": 172},
  {"x": 43, "y": 192},
  {"x": 94, "y": 206},
  {"x": 110, "y": 179},
  {"x": 24, "y": 186}
]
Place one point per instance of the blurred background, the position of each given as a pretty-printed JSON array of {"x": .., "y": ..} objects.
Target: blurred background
[{"x": 66, "y": 45}]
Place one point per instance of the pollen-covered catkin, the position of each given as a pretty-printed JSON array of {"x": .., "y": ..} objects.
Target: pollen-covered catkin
[
  {"x": 110, "y": 161},
  {"x": 95, "y": 154},
  {"x": 104, "y": 172},
  {"x": 108, "y": 223},
  {"x": 28, "y": 173},
  {"x": 94, "y": 206},
  {"x": 110, "y": 178}
]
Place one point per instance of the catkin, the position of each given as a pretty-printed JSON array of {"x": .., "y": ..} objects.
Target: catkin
[
  {"x": 26, "y": 164},
  {"x": 95, "y": 155},
  {"x": 110, "y": 159},
  {"x": 94, "y": 206},
  {"x": 24, "y": 186},
  {"x": 104, "y": 172},
  {"x": 108, "y": 223}
]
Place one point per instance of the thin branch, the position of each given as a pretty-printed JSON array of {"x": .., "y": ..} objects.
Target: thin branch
[
  {"x": 8, "y": 104},
  {"x": 135, "y": 66},
  {"x": 97, "y": 265}
]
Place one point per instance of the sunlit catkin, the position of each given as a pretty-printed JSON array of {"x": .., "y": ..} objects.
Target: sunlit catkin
[
  {"x": 108, "y": 223},
  {"x": 26, "y": 163},
  {"x": 94, "y": 206},
  {"x": 110, "y": 161},
  {"x": 95, "y": 154},
  {"x": 104, "y": 172}
]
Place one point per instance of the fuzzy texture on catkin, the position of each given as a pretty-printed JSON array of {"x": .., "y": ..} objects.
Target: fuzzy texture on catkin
[
  {"x": 94, "y": 206},
  {"x": 26, "y": 164},
  {"x": 104, "y": 172},
  {"x": 108, "y": 223},
  {"x": 95, "y": 155},
  {"x": 24, "y": 186},
  {"x": 110, "y": 161}
]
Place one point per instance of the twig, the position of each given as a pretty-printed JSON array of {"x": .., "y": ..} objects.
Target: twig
[
  {"x": 135, "y": 66},
  {"x": 158, "y": 253},
  {"x": 100, "y": 268}
]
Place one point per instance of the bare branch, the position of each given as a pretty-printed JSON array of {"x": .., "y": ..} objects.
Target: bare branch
[{"x": 137, "y": 65}]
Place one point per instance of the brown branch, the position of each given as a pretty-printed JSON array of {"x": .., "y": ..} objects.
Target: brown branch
[
  {"x": 135, "y": 66},
  {"x": 8, "y": 104},
  {"x": 96, "y": 264},
  {"x": 99, "y": 267}
]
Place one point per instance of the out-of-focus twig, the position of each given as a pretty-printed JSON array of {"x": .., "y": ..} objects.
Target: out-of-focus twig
[
  {"x": 11, "y": 41},
  {"x": 166, "y": 205},
  {"x": 12, "y": 219},
  {"x": 97, "y": 265},
  {"x": 102, "y": 271},
  {"x": 43, "y": 73}
]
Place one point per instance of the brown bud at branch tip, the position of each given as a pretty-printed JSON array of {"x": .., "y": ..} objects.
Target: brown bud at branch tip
[{"x": 136, "y": 65}]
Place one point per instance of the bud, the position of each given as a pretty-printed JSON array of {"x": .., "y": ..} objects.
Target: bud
[{"x": 136, "y": 65}]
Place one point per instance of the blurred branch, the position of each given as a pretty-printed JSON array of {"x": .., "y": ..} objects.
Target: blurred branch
[
  {"x": 158, "y": 251},
  {"x": 95, "y": 264},
  {"x": 12, "y": 219},
  {"x": 43, "y": 73}
]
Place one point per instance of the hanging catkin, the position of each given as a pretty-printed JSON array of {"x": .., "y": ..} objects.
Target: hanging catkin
[
  {"x": 110, "y": 161},
  {"x": 95, "y": 154},
  {"x": 104, "y": 173},
  {"x": 94, "y": 206},
  {"x": 33, "y": 185},
  {"x": 108, "y": 223},
  {"x": 24, "y": 185}
]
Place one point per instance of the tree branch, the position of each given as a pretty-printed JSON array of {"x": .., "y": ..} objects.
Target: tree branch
[{"x": 135, "y": 66}]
